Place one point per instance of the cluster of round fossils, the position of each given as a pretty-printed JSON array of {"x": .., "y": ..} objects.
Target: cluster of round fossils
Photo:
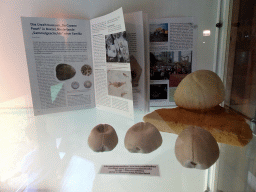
[
  {"x": 140, "y": 138},
  {"x": 195, "y": 147}
]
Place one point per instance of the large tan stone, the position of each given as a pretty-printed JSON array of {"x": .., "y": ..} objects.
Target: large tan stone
[
  {"x": 202, "y": 89},
  {"x": 225, "y": 126}
]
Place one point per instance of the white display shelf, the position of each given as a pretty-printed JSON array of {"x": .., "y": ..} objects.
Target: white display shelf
[{"x": 67, "y": 133}]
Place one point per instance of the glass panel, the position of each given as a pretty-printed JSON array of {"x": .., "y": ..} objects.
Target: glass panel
[
  {"x": 236, "y": 166},
  {"x": 243, "y": 94},
  {"x": 30, "y": 146}
]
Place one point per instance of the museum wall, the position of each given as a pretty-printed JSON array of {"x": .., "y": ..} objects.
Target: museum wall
[{"x": 14, "y": 80}]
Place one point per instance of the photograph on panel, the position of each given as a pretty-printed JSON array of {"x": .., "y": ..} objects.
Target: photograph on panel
[
  {"x": 159, "y": 32},
  {"x": 172, "y": 66},
  {"x": 119, "y": 83},
  {"x": 117, "y": 48},
  {"x": 159, "y": 91}
]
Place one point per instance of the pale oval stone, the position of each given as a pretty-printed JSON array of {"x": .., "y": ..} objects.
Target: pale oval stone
[
  {"x": 142, "y": 138},
  {"x": 75, "y": 85},
  {"x": 102, "y": 138},
  {"x": 196, "y": 148},
  {"x": 64, "y": 72},
  {"x": 201, "y": 89}
]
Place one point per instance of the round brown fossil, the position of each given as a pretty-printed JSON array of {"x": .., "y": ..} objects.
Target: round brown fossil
[
  {"x": 86, "y": 70},
  {"x": 64, "y": 72},
  {"x": 102, "y": 138},
  {"x": 142, "y": 138},
  {"x": 196, "y": 148}
]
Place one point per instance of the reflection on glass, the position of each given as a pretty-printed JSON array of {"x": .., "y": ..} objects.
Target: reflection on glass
[
  {"x": 38, "y": 169},
  {"x": 243, "y": 94},
  {"x": 206, "y": 33},
  {"x": 79, "y": 175}
]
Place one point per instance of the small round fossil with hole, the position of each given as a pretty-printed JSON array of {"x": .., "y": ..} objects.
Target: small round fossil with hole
[
  {"x": 102, "y": 138},
  {"x": 196, "y": 148},
  {"x": 142, "y": 138}
]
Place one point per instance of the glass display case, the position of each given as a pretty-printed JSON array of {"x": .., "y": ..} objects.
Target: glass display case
[
  {"x": 237, "y": 166},
  {"x": 51, "y": 151}
]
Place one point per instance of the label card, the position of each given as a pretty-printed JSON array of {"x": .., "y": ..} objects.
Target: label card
[{"x": 149, "y": 170}]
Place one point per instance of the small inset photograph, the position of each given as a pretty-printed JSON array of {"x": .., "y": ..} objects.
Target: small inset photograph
[
  {"x": 86, "y": 70},
  {"x": 117, "y": 48},
  {"x": 170, "y": 65},
  {"x": 158, "y": 32},
  {"x": 119, "y": 84},
  {"x": 158, "y": 91}
]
